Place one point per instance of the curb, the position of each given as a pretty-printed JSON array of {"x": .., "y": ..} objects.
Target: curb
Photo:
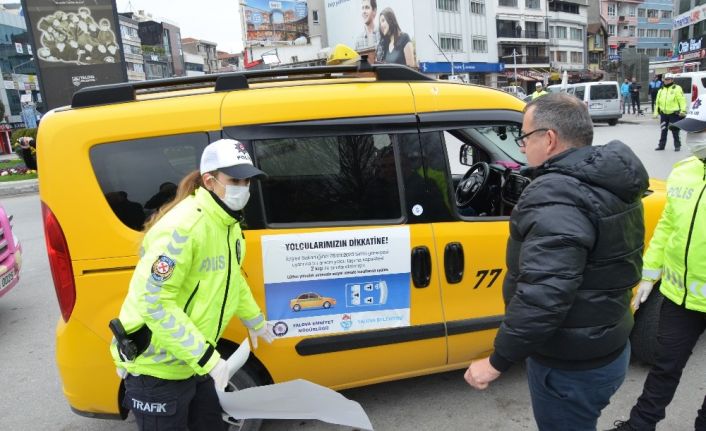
[{"x": 16, "y": 188}]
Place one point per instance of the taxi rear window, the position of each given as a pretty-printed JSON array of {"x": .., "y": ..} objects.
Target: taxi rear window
[{"x": 139, "y": 176}]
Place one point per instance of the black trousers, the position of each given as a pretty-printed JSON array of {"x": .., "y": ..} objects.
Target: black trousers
[
  {"x": 666, "y": 122},
  {"x": 679, "y": 330},
  {"x": 635, "y": 103},
  {"x": 160, "y": 405}
]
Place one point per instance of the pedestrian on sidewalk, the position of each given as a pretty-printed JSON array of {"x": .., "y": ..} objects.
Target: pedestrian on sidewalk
[
  {"x": 635, "y": 88},
  {"x": 655, "y": 85},
  {"x": 625, "y": 93},
  {"x": 573, "y": 257},
  {"x": 676, "y": 255},
  {"x": 671, "y": 107}
]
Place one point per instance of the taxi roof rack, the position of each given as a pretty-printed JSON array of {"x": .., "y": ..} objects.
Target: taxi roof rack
[{"x": 127, "y": 92}]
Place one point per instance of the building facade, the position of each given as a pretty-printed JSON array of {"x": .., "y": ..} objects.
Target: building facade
[
  {"x": 132, "y": 48},
  {"x": 193, "y": 64},
  {"x": 20, "y": 91},
  {"x": 621, "y": 20},
  {"x": 568, "y": 22},
  {"x": 689, "y": 24},
  {"x": 203, "y": 48},
  {"x": 654, "y": 29}
]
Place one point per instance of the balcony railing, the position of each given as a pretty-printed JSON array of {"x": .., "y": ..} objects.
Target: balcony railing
[
  {"x": 527, "y": 34},
  {"x": 524, "y": 60}
]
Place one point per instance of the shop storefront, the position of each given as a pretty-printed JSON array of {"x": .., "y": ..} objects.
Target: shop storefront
[{"x": 470, "y": 72}]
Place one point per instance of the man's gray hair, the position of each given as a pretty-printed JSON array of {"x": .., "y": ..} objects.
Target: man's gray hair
[{"x": 566, "y": 115}]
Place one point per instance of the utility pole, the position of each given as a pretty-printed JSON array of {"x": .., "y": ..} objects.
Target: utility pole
[
  {"x": 514, "y": 56},
  {"x": 442, "y": 53}
]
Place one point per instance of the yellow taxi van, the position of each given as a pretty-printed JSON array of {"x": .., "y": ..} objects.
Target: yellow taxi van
[{"x": 387, "y": 191}]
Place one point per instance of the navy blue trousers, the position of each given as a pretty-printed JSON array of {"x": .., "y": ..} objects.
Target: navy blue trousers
[
  {"x": 572, "y": 400},
  {"x": 161, "y": 405}
]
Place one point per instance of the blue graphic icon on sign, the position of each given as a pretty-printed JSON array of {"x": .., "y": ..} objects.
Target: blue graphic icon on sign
[{"x": 256, "y": 19}]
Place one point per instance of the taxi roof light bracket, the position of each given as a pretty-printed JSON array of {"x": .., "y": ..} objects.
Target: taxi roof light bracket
[{"x": 127, "y": 92}]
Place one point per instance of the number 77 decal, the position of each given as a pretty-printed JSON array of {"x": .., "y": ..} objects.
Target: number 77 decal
[{"x": 483, "y": 273}]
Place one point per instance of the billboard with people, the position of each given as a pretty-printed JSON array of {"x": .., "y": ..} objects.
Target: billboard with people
[
  {"x": 269, "y": 21},
  {"x": 385, "y": 27},
  {"x": 76, "y": 44}
]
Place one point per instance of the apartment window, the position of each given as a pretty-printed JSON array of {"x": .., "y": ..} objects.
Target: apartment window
[
  {"x": 560, "y": 56},
  {"x": 666, "y": 14},
  {"x": 597, "y": 41},
  {"x": 652, "y": 32},
  {"x": 612, "y": 51},
  {"x": 664, "y": 52},
  {"x": 665, "y": 33},
  {"x": 641, "y": 13},
  {"x": 315, "y": 16},
  {"x": 295, "y": 59},
  {"x": 611, "y": 29},
  {"x": 632, "y": 10},
  {"x": 137, "y": 67},
  {"x": 612, "y": 9},
  {"x": 532, "y": 4},
  {"x": 450, "y": 43},
  {"x": 651, "y": 52},
  {"x": 478, "y": 7},
  {"x": 447, "y": 5},
  {"x": 560, "y": 32},
  {"x": 480, "y": 44},
  {"x": 576, "y": 34},
  {"x": 576, "y": 57},
  {"x": 640, "y": 32},
  {"x": 652, "y": 13},
  {"x": 507, "y": 3}
]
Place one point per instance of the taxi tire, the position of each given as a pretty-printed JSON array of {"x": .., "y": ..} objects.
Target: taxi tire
[
  {"x": 327, "y": 304},
  {"x": 244, "y": 378},
  {"x": 643, "y": 337}
]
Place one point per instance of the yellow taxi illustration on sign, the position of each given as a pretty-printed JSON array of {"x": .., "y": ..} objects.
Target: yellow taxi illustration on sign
[{"x": 311, "y": 300}]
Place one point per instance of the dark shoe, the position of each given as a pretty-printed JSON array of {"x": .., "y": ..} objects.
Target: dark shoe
[
  {"x": 622, "y": 426},
  {"x": 659, "y": 149},
  {"x": 677, "y": 148}
]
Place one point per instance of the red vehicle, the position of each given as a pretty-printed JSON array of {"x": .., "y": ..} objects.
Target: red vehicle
[{"x": 10, "y": 254}]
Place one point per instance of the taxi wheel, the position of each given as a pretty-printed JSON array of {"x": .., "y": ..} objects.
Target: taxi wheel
[
  {"x": 297, "y": 307},
  {"x": 327, "y": 304},
  {"x": 643, "y": 337},
  {"x": 244, "y": 378}
]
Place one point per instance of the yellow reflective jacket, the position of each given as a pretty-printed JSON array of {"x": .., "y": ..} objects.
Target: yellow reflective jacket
[
  {"x": 670, "y": 100},
  {"x": 538, "y": 94},
  {"x": 677, "y": 251},
  {"x": 185, "y": 288}
]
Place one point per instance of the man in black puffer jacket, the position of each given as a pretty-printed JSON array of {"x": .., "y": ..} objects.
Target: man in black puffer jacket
[{"x": 573, "y": 256}]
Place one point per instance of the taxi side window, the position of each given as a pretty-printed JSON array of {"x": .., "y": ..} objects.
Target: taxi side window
[
  {"x": 329, "y": 179},
  {"x": 139, "y": 176}
]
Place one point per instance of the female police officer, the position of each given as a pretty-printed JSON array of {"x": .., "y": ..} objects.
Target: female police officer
[{"x": 184, "y": 291}]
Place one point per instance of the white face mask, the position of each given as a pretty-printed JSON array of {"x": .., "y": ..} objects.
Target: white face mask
[
  {"x": 236, "y": 197},
  {"x": 696, "y": 143}
]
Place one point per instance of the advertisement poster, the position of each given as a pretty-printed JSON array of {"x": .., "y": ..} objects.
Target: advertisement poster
[
  {"x": 77, "y": 44},
  {"x": 270, "y": 21},
  {"x": 385, "y": 27},
  {"x": 333, "y": 282}
]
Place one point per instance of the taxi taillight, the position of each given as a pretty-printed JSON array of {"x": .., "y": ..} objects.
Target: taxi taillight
[{"x": 59, "y": 262}]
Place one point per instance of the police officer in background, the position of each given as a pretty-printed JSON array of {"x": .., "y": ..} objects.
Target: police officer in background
[
  {"x": 677, "y": 257},
  {"x": 184, "y": 291},
  {"x": 671, "y": 107},
  {"x": 539, "y": 91}
]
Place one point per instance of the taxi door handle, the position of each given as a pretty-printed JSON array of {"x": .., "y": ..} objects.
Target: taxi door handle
[
  {"x": 421, "y": 267},
  {"x": 453, "y": 262}
]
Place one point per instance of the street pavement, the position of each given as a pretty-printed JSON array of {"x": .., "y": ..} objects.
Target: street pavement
[{"x": 31, "y": 387}]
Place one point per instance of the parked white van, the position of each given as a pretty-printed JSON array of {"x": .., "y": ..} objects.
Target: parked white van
[
  {"x": 692, "y": 83},
  {"x": 602, "y": 99}
]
